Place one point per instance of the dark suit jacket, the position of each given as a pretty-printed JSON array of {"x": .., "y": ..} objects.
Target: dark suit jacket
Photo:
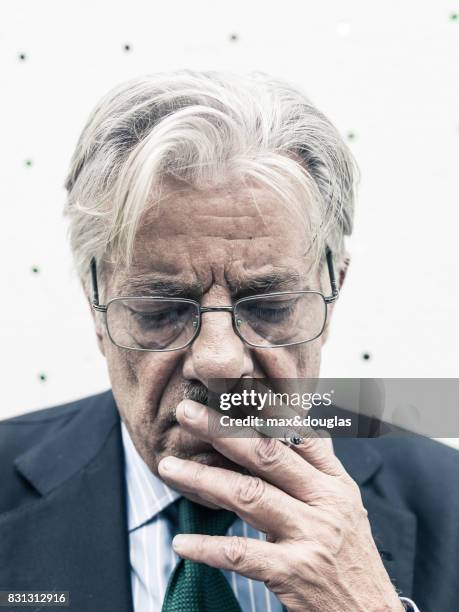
[{"x": 63, "y": 517}]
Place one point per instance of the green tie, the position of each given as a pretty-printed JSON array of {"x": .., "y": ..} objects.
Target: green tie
[{"x": 195, "y": 587}]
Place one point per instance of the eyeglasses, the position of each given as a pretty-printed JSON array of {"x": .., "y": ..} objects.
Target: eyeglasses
[{"x": 268, "y": 320}]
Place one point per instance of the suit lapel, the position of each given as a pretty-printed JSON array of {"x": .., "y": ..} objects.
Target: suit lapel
[
  {"x": 393, "y": 527},
  {"x": 73, "y": 537}
]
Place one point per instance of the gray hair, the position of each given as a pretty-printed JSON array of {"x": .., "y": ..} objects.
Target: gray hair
[{"x": 202, "y": 129}]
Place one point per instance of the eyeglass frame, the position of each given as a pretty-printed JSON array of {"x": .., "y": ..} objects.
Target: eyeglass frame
[{"x": 203, "y": 309}]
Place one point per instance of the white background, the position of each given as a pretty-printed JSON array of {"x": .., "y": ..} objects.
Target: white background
[{"x": 385, "y": 72}]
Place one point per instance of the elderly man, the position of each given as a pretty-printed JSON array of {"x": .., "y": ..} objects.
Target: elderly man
[{"x": 207, "y": 219}]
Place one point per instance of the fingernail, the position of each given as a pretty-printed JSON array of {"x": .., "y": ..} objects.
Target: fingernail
[
  {"x": 193, "y": 410},
  {"x": 170, "y": 464},
  {"x": 179, "y": 543}
]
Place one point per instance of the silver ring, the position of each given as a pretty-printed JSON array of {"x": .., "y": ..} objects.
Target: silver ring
[{"x": 294, "y": 439}]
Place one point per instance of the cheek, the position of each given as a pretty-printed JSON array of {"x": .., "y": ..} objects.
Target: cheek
[
  {"x": 121, "y": 368},
  {"x": 139, "y": 380},
  {"x": 309, "y": 358},
  {"x": 123, "y": 379},
  {"x": 302, "y": 361}
]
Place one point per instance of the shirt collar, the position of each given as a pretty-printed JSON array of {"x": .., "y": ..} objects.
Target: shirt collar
[{"x": 147, "y": 494}]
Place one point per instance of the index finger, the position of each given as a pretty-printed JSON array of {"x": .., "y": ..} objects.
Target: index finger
[{"x": 265, "y": 457}]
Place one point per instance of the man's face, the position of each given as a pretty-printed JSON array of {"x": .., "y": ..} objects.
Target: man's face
[{"x": 223, "y": 245}]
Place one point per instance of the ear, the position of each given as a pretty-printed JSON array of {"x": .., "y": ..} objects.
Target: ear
[
  {"x": 96, "y": 317},
  {"x": 342, "y": 272}
]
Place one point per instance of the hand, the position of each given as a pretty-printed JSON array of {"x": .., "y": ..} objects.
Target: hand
[{"x": 319, "y": 554}]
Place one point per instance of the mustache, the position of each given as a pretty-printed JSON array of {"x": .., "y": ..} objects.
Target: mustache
[{"x": 195, "y": 391}]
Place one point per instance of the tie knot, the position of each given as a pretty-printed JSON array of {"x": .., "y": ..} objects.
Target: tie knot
[{"x": 194, "y": 518}]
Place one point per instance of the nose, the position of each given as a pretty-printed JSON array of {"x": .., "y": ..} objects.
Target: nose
[{"x": 217, "y": 352}]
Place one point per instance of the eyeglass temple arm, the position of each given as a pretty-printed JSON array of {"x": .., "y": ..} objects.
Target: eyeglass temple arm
[
  {"x": 331, "y": 273},
  {"x": 95, "y": 288}
]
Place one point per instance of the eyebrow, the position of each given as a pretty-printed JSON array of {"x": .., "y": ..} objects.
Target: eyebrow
[
  {"x": 277, "y": 279},
  {"x": 157, "y": 284}
]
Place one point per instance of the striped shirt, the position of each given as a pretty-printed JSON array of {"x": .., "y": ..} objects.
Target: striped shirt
[{"x": 152, "y": 523}]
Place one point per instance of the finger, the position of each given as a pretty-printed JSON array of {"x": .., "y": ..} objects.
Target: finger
[
  {"x": 317, "y": 449},
  {"x": 203, "y": 502},
  {"x": 264, "y": 457},
  {"x": 255, "y": 501},
  {"x": 252, "y": 558}
]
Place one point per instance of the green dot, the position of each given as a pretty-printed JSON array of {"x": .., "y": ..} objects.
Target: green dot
[
  {"x": 454, "y": 17},
  {"x": 35, "y": 269},
  {"x": 42, "y": 377},
  {"x": 351, "y": 135},
  {"x": 28, "y": 163}
]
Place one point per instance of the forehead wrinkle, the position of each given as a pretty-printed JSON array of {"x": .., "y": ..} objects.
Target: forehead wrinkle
[{"x": 232, "y": 227}]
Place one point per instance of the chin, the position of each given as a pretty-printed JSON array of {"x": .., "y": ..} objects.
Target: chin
[
  {"x": 215, "y": 459},
  {"x": 181, "y": 444}
]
